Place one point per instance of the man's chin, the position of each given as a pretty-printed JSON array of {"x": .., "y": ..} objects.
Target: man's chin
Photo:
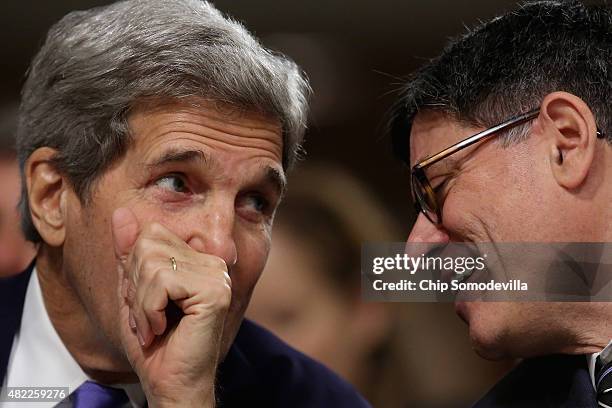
[
  {"x": 485, "y": 339},
  {"x": 486, "y": 350}
]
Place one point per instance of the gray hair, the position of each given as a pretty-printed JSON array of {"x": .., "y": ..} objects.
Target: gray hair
[
  {"x": 96, "y": 65},
  {"x": 506, "y": 66}
]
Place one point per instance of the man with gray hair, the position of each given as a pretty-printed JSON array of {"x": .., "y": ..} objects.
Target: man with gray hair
[
  {"x": 153, "y": 142},
  {"x": 509, "y": 136}
]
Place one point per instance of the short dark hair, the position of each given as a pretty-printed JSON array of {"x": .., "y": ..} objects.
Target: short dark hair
[{"x": 506, "y": 66}]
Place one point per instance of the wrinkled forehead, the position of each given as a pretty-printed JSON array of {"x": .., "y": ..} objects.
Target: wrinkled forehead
[{"x": 209, "y": 121}]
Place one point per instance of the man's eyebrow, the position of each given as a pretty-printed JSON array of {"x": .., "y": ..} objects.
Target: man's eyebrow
[
  {"x": 276, "y": 178},
  {"x": 180, "y": 156}
]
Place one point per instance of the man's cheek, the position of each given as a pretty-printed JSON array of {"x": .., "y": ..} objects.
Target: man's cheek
[
  {"x": 252, "y": 258},
  {"x": 253, "y": 250},
  {"x": 469, "y": 215},
  {"x": 454, "y": 213},
  {"x": 148, "y": 213}
]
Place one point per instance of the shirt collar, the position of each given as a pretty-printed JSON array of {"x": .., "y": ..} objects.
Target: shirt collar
[{"x": 40, "y": 358}]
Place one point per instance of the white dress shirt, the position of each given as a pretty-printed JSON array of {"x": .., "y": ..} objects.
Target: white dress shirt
[{"x": 40, "y": 359}]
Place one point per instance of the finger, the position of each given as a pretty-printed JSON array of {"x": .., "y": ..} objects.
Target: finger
[
  {"x": 121, "y": 286},
  {"x": 159, "y": 233},
  {"x": 139, "y": 321},
  {"x": 143, "y": 328},
  {"x": 153, "y": 242},
  {"x": 165, "y": 285},
  {"x": 125, "y": 230},
  {"x": 130, "y": 294},
  {"x": 213, "y": 262},
  {"x": 131, "y": 320},
  {"x": 149, "y": 299},
  {"x": 156, "y": 300},
  {"x": 157, "y": 290},
  {"x": 141, "y": 259},
  {"x": 208, "y": 290},
  {"x": 154, "y": 307},
  {"x": 126, "y": 321}
]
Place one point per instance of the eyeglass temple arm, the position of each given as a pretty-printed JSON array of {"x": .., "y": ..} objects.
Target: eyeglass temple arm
[{"x": 477, "y": 137}]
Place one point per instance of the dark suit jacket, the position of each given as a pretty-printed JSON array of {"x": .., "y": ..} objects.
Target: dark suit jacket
[
  {"x": 259, "y": 370},
  {"x": 559, "y": 381}
]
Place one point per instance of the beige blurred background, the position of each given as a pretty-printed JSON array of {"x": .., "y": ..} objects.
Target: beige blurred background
[
  {"x": 348, "y": 190},
  {"x": 397, "y": 355}
]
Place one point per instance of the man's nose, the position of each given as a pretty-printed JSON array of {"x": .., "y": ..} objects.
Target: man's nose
[
  {"x": 424, "y": 230},
  {"x": 424, "y": 236},
  {"x": 213, "y": 232}
]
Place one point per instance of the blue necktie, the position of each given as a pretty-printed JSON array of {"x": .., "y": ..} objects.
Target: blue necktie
[{"x": 94, "y": 395}]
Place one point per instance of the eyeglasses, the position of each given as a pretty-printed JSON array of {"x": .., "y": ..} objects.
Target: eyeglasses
[{"x": 424, "y": 196}]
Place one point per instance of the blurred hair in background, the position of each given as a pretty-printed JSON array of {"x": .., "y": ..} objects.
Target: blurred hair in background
[
  {"x": 15, "y": 252},
  {"x": 309, "y": 295}
]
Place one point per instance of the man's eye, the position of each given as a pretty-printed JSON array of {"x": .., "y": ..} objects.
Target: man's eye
[
  {"x": 172, "y": 182},
  {"x": 258, "y": 203},
  {"x": 440, "y": 191},
  {"x": 255, "y": 207}
]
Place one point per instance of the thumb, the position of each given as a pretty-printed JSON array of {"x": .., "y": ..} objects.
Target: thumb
[{"x": 125, "y": 232}]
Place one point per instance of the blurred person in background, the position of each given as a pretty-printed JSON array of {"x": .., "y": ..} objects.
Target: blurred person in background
[
  {"x": 15, "y": 252},
  {"x": 309, "y": 293},
  {"x": 540, "y": 79}
]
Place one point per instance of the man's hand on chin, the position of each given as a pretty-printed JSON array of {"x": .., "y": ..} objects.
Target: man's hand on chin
[{"x": 176, "y": 363}]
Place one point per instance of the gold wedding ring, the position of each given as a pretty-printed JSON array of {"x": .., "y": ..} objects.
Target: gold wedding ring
[{"x": 173, "y": 263}]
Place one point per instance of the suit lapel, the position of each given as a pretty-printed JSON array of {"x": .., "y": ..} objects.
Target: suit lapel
[
  {"x": 555, "y": 381},
  {"x": 236, "y": 377},
  {"x": 12, "y": 297},
  {"x": 579, "y": 391}
]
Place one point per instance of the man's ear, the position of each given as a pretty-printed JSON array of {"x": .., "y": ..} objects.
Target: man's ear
[
  {"x": 47, "y": 192},
  {"x": 572, "y": 132}
]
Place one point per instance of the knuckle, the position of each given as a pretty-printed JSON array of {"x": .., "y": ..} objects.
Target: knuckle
[
  {"x": 148, "y": 266},
  {"x": 140, "y": 247},
  {"x": 152, "y": 272},
  {"x": 131, "y": 293},
  {"x": 219, "y": 263},
  {"x": 149, "y": 312},
  {"x": 211, "y": 262},
  {"x": 215, "y": 300},
  {"x": 156, "y": 229},
  {"x": 223, "y": 295},
  {"x": 139, "y": 317},
  {"x": 217, "y": 296},
  {"x": 227, "y": 279},
  {"x": 160, "y": 277}
]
